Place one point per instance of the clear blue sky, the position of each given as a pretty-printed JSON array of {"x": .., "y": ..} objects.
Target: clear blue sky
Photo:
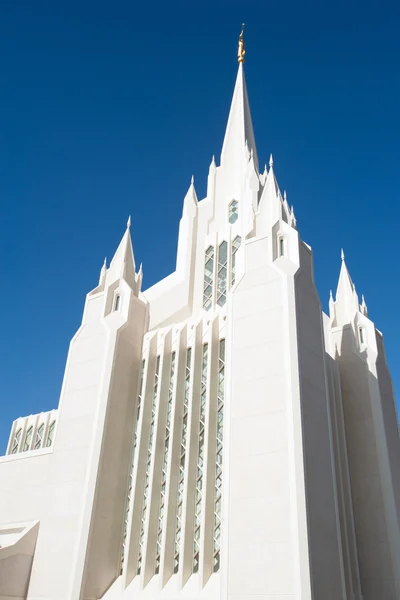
[{"x": 106, "y": 110}]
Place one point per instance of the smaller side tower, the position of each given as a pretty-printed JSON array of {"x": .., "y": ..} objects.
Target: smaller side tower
[{"x": 372, "y": 438}]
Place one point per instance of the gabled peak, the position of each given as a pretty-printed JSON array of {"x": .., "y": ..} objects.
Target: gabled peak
[
  {"x": 239, "y": 130},
  {"x": 123, "y": 262}
]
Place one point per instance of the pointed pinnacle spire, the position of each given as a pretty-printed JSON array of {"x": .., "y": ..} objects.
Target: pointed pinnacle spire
[
  {"x": 271, "y": 160},
  {"x": 284, "y": 195},
  {"x": 128, "y": 223},
  {"x": 342, "y": 254},
  {"x": 192, "y": 180},
  {"x": 239, "y": 127}
]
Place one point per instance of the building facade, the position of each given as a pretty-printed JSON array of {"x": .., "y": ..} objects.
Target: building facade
[{"x": 218, "y": 436}]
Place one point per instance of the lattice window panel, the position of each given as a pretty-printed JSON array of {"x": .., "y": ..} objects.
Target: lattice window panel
[
  {"x": 181, "y": 482},
  {"x": 130, "y": 483},
  {"x": 165, "y": 462},
  {"x": 148, "y": 467},
  {"x": 200, "y": 461},
  {"x": 208, "y": 278},
  {"x": 235, "y": 247},
  {"x": 222, "y": 273},
  {"x": 218, "y": 463}
]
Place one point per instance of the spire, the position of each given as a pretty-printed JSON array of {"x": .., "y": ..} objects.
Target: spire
[
  {"x": 103, "y": 272},
  {"x": 123, "y": 262},
  {"x": 239, "y": 128},
  {"x": 363, "y": 307},
  {"x": 346, "y": 305},
  {"x": 271, "y": 160},
  {"x": 190, "y": 202}
]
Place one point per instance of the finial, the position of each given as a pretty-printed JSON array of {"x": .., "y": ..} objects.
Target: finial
[
  {"x": 342, "y": 254},
  {"x": 330, "y": 295},
  {"x": 192, "y": 180},
  {"x": 265, "y": 167},
  {"x": 105, "y": 262},
  {"x": 128, "y": 223},
  {"x": 141, "y": 269},
  {"x": 284, "y": 195},
  {"x": 241, "y": 50},
  {"x": 271, "y": 161}
]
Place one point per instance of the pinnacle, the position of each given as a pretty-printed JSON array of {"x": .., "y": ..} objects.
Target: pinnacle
[
  {"x": 342, "y": 254},
  {"x": 192, "y": 180},
  {"x": 128, "y": 223},
  {"x": 271, "y": 161}
]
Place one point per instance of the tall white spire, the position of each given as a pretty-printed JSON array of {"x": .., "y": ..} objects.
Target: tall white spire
[
  {"x": 123, "y": 262},
  {"x": 239, "y": 129}
]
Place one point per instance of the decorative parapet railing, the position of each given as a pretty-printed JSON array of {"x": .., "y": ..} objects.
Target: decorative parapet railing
[{"x": 32, "y": 433}]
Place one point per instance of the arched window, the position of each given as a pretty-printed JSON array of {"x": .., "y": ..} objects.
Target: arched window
[
  {"x": 117, "y": 302},
  {"x": 28, "y": 439},
  {"x": 235, "y": 247},
  {"x": 222, "y": 273},
  {"x": 16, "y": 441},
  {"x": 233, "y": 212},
  {"x": 50, "y": 435},
  {"x": 281, "y": 246},
  {"x": 208, "y": 278},
  {"x": 39, "y": 437}
]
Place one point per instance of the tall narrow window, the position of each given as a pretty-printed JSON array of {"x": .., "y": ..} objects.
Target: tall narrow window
[
  {"x": 16, "y": 441},
  {"x": 130, "y": 483},
  {"x": 362, "y": 338},
  {"x": 28, "y": 439},
  {"x": 117, "y": 302},
  {"x": 281, "y": 246},
  {"x": 165, "y": 462},
  {"x": 50, "y": 434},
  {"x": 208, "y": 278},
  {"x": 233, "y": 212},
  {"x": 39, "y": 437},
  {"x": 218, "y": 464},
  {"x": 235, "y": 247},
  {"x": 181, "y": 482},
  {"x": 148, "y": 466},
  {"x": 200, "y": 461},
  {"x": 222, "y": 273}
]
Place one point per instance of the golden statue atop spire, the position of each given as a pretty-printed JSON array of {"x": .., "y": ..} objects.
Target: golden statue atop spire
[{"x": 241, "y": 50}]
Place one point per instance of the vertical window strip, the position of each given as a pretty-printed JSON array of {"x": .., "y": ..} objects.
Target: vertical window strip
[
  {"x": 235, "y": 247},
  {"x": 39, "y": 437},
  {"x": 130, "y": 484},
  {"x": 16, "y": 441},
  {"x": 222, "y": 273},
  {"x": 148, "y": 467},
  {"x": 181, "y": 482},
  {"x": 28, "y": 439},
  {"x": 200, "y": 461},
  {"x": 218, "y": 462},
  {"x": 165, "y": 462},
  {"x": 208, "y": 278},
  {"x": 233, "y": 212},
  {"x": 50, "y": 435}
]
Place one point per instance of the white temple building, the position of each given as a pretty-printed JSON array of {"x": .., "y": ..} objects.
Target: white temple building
[{"x": 218, "y": 436}]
